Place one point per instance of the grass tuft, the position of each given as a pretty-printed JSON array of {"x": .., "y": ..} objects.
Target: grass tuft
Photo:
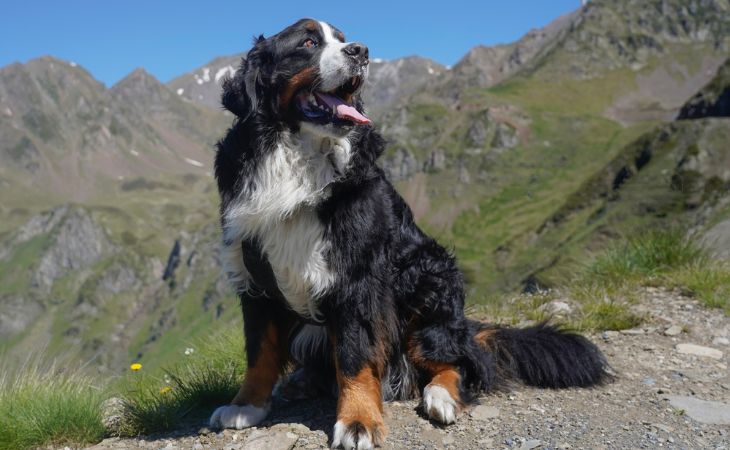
[
  {"x": 42, "y": 405},
  {"x": 604, "y": 290},
  {"x": 207, "y": 377},
  {"x": 650, "y": 254},
  {"x": 608, "y": 286}
]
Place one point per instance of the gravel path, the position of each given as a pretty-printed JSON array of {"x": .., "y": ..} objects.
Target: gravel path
[{"x": 665, "y": 395}]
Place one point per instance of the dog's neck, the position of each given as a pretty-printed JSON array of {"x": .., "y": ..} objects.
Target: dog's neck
[{"x": 315, "y": 144}]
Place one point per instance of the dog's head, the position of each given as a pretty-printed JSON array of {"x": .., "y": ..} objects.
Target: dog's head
[{"x": 306, "y": 76}]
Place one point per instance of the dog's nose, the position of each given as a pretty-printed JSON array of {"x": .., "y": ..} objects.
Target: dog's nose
[{"x": 357, "y": 51}]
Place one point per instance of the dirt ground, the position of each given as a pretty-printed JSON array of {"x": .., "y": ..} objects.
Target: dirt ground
[{"x": 665, "y": 395}]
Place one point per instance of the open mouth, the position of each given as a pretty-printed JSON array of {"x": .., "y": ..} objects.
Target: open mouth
[{"x": 333, "y": 107}]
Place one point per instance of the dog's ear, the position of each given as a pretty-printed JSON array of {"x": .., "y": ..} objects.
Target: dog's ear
[{"x": 241, "y": 94}]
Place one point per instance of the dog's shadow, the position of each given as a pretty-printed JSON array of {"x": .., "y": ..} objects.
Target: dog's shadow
[{"x": 317, "y": 414}]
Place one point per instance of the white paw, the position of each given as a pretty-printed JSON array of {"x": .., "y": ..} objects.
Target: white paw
[
  {"x": 351, "y": 437},
  {"x": 238, "y": 417},
  {"x": 439, "y": 405}
]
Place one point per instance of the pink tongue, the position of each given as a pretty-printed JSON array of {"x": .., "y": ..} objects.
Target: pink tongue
[{"x": 343, "y": 110}]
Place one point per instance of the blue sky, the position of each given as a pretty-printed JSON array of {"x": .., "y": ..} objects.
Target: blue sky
[{"x": 168, "y": 38}]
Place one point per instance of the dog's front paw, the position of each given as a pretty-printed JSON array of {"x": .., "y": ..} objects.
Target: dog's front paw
[
  {"x": 356, "y": 436},
  {"x": 439, "y": 405},
  {"x": 238, "y": 417}
]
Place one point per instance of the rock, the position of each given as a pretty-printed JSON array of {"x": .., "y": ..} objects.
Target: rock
[
  {"x": 556, "y": 308},
  {"x": 436, "y": 161},
  {"x": 632, "y": 331},
  {"x": 448, "y": 440},
  {"x": 505, "y": 137},
  {"x": 721, "y": 341},
  {"x": 699, "y": 350},
  {"x": 530, "y": 444},
  {"x": 271, "y": 439},
  {"x": 112, "y": 413},
  {"x": 464, "y": 176},
  {"x": 609, "y": 334},
  {"x": 476, "y": 136},
  {"x": 703, "y": 411},
  {"x": 78, "y": 243},
  {"x": 401, "y": 165},
  {"x": 484, "y": 412},
  {"x": 674, "y": 330}
]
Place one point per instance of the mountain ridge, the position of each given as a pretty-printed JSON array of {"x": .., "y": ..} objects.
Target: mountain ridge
[{"x": 509, "y": 157}]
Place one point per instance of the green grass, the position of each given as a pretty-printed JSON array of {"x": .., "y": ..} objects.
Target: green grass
[
  {"x": 710, "y": 283},
  {"x": 654, "y": 253},
  {"x": 209, "y": 377},
  {"x": 604, "y": 290},
  {"x": 49, "y": 405},
  {"x": 608, "y": 286}
]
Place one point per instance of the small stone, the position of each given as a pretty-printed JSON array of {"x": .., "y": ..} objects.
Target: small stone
[
  {"x": 270, "y": 440},
  {"x": 556, "y": 308},
  {"x": 674, "y": 330},
  {"x": 448, "y": 440},
  {"x": 649, "y": 381},
  {"x": 484, "y": 412},
  {"x": 662, "y": 427},
  {"x": 721, "y": 341},
  {"x": 632, "y": 331},
  {"x": 699, "y": 350},
  {"x": 703, "y": 411},
  {"x": 530, "y": 444}
]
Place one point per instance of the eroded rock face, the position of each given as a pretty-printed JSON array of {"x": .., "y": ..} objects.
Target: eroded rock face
[
  {"x": 401, "y": 165},
  {"x": 713, "y": 100},
  {"x": 16, "y": 313},
  {"x": 78, "y": 243}
]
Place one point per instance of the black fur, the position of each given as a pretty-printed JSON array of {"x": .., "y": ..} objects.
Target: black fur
[{"x": 395, "y": 286}]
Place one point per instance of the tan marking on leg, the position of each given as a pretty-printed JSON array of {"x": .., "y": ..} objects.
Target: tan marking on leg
[
  {"x": 442, "y": 374},
  {"x": 360, "y": 402},
  {"x": 261, "y": 377}
]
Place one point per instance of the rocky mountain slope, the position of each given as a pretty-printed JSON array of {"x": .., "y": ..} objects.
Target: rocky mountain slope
[
  {"x": 524, "y": 158},
  {"x": 203, "y": 85},
  {"x": 64, "y": 134}
]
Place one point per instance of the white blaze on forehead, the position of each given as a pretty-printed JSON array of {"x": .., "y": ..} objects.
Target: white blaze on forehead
[{"x": 332, "y": 62}]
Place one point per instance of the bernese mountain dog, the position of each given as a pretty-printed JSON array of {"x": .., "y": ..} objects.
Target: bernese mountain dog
[{"x": 335, "y": 278}]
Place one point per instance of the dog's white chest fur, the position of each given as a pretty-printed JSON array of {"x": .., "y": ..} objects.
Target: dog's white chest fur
[{"x": 279, "y": 210}]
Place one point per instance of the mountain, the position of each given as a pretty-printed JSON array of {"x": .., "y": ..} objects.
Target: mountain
[
  {"x": 202, "y": 85},
  {"x": 98, "y": 186},
  {"x": 508, "y": 154},
  {"x": 674, "y": 174},
  {"x": 525, "y": 158},
  {"x": 391, "y": 80},
  {"x": 66, "y": 135}
]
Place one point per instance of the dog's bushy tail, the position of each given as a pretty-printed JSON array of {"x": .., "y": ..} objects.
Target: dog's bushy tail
[{"x": 543, "y": 355}]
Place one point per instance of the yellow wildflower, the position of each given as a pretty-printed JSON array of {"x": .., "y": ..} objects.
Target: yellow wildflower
[
  {"x": 165, "y": 390},
  {"x": 135, "y": 366}
]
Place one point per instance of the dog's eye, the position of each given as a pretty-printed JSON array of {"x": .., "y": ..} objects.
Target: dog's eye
[{"x": 310, "y": 43}]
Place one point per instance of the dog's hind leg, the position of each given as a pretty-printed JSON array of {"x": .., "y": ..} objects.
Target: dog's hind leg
[{"x": 443, "y": 396}]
